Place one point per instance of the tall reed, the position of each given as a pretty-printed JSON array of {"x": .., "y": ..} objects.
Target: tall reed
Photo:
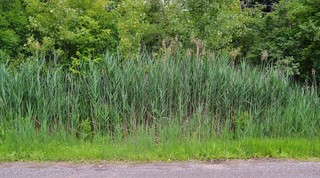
[{"x": 175, "y": 99}]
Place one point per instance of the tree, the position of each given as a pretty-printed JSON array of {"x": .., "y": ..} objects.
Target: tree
[
  {"x": 288, "y": 37},
  {"x": 214, "y": 21},
  {"x": 70, "y": 28},
  {"x": 12, "y": 27}
]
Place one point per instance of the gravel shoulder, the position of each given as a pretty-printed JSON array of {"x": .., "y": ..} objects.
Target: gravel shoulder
[{"x": 233, "y": 168}]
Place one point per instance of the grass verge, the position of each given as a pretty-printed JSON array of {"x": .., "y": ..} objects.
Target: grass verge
[{"x": 293, "y": 148}]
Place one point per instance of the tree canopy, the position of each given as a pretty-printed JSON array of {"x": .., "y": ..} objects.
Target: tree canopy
[{"x": 64, "y": 31}]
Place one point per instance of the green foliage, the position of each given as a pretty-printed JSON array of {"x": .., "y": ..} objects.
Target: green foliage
[
  {"x": 151, "y": 26},
  {"x": 63, "y": 28},
  {"x": 214, "y": 22},
  {"x": 13, "y": 23},
  {"x": 290, "y": 34},
  {"x": 66, "y": 31},
  {"x": 132, "y": 26},
  {"x": 243, "y": 123},
  {"x": 85, "y": 130}
]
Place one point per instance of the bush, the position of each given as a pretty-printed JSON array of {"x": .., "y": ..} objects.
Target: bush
[
  {"x": 65, "y": 29},
  {"x": 13, "y": 27},
  {"x": 289, "y": 37}
]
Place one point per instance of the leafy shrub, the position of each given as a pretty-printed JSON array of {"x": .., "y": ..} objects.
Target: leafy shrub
[
  {"x": 85, "y": 130},
  {"x": 12, "y": 27},
  {"x": 67, "y": 28},
  {"x": 289, "y": 34}
]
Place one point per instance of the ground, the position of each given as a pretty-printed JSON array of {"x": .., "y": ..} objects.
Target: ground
[{"x": 228, "y": 168}]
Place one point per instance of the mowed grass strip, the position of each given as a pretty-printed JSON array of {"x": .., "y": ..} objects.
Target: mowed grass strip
[{"x": 294, "y": 148}]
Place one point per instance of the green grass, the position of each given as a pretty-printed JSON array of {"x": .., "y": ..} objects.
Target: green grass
[
  {"x": 178, "y": 109},
  {"x": 131, "y": 150}
]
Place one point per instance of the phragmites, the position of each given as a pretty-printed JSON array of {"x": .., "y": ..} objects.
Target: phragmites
[
  {"x": 200, "y": 49},
  {"x": 189, "y": 52},
  {"x": 173, "y": 47},
  {"x": 264, "y": 55},
  {"x": 314, "y": 78},
  {"x": 234, "y": 54}
]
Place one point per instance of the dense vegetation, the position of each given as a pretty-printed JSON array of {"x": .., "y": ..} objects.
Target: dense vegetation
[
  {"x": 63, "y": 32},
  {"x": 204, "y": 97},
  {"x": 153, "y": 102},
  {"x": 160, "y": 77}
]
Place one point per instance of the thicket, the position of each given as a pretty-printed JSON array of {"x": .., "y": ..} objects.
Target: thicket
[
  {"x": 287, "y": 37},
  {"x": 66, "y": 32}
]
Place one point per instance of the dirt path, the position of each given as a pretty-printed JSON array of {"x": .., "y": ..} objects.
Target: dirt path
[{"x": 235, "y": 168}]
